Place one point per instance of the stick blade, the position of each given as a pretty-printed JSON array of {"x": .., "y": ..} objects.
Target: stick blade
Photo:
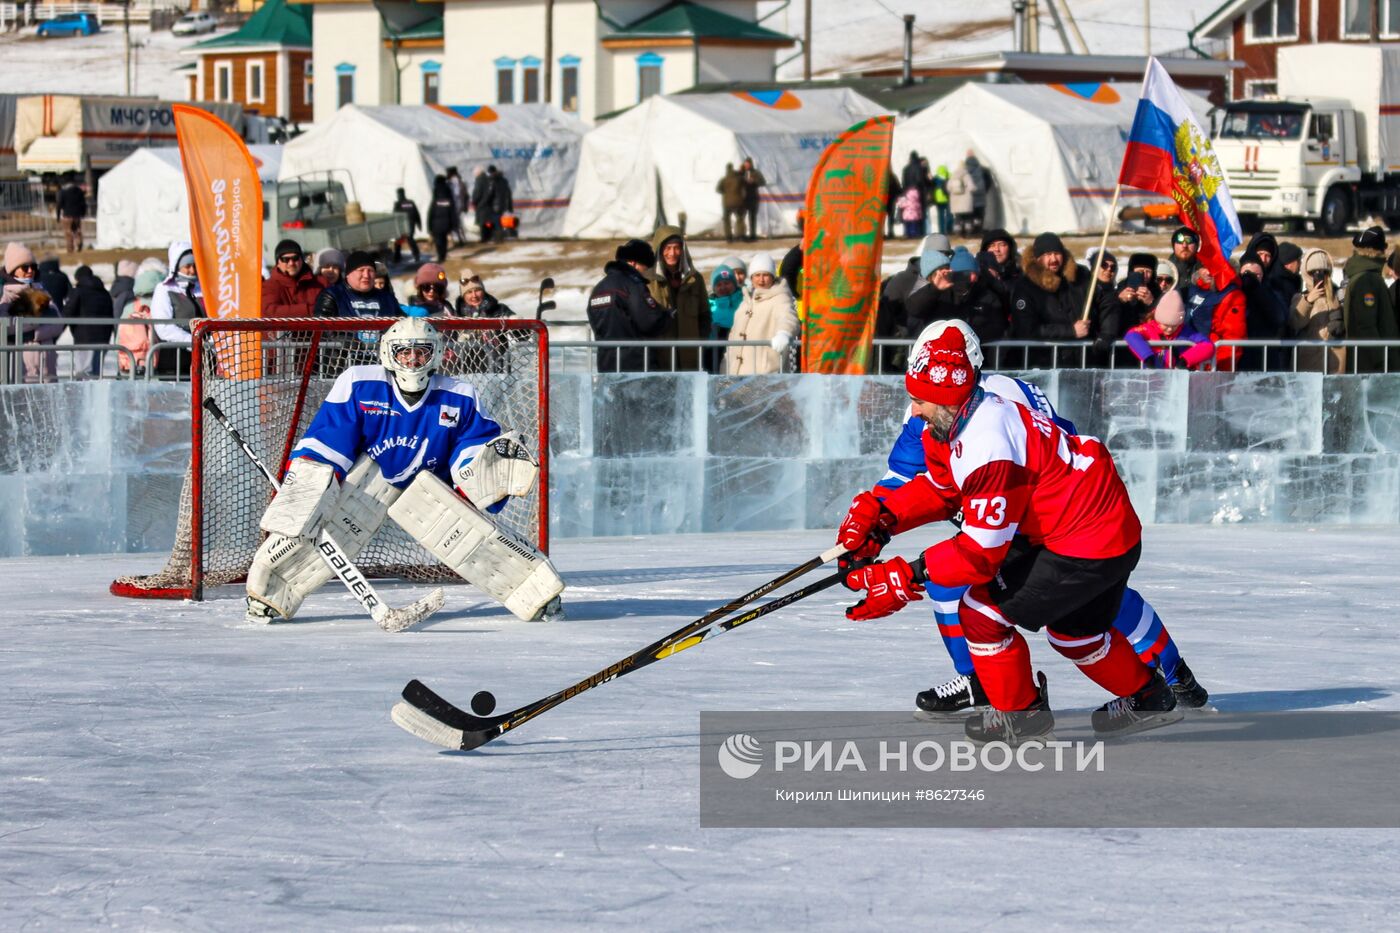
[
  {"x": 416, "y": 722},
  {"x": 398, "y": 620}
]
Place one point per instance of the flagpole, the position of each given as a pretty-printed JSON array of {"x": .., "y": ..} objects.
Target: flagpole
[{"x": 1098, "y": 258}]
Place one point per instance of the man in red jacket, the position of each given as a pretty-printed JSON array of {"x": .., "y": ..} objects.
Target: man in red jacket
[
  {"x": 291, "y": 289},
  {"x": 1048, "y": 540}
]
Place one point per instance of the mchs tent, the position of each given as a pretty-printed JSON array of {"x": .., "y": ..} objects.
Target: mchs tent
[
  {"x": 1053, "y": 150},
  {"x": 535, "y": 146},
  {"x": 141, "y": 201},
  {"x": 665, "y": 156}
]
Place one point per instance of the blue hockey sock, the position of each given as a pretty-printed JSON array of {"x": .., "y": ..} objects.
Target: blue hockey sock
[
  {"x": 1143, "y": 628},
  {"x": 945, "y": 612}
]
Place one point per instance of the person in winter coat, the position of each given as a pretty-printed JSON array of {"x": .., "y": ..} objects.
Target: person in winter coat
[
  {"x": 122, "y": 285},
  {"x": 1166, "y": 277},
  {"x": 1316, "y": 314},
  {"x": 1047, "y": 301},
  {"x": 768, "y": 312},
  {"x": 330, "y": 267},
  {"x": 954, "y": 291},
  {"x": 725, "y": 298},
  {"x": 1367, "y": 313},
  {"x": 55, "y": 281},
  {"x": 679, "y": 287},
  {"x": 1168, "y": 322},
  {"x": 752, "y": 180},
  {"x": 290, "y": 289},
  {"x": 1217, "y": 310},
  {"x": 912, "y": 212},
  {"x": 1004, "y": 269},
  {"x": 23, "y": 297},
  {"x": 442, "y": 217},
  {"x": 492, "y": 197},
  {"x": 960, "y": 199},
  {"x": 1107, "y": 306},
  {"x": 978, "y": 176},
  {"x": 459, "y": 202},
  {"x": 621, "y": 307},
  {"x": 403, "y": 204},
  {"x": 475, "y": 301},
  {"x": 1265, "y": 314},
  {"x": 1185, "y": 246},
  {"x": 355, "y": 295},
  {"x": 940, "y": 199},
  {"x": 731, "y": 201},
  {"x": 137, "y": 337},
  {"x": 177, "y": 300},
  {"x": 915, "y": 176},
  {"x": 72, "y": 207},
  {"x": 89, "y": 299},
  {"x": 429, "y": 292}
]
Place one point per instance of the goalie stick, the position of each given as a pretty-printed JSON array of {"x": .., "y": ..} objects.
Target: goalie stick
[
  {"x": 430, "y": 717},
  {"x": 385, "y": 616}
]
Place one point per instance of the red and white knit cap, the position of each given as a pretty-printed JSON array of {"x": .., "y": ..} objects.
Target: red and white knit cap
[{"x": 940, "y": 371}]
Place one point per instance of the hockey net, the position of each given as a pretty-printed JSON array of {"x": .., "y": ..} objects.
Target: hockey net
[{"x": 269, "y": 377}]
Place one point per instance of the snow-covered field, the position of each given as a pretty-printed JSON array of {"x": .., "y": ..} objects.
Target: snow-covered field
[
  {"x": 167, "y": 767},
  {"x": 94, "y": 64}
]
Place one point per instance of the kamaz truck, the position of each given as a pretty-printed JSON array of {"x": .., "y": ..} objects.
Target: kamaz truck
[{"x": 1326, "y": 149}]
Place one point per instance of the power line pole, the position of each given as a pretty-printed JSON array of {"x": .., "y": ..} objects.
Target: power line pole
[
  {"x": 126, "y": 43},
  {"x": 549, "y": 51},
  {"x": 807, "y": 41}
]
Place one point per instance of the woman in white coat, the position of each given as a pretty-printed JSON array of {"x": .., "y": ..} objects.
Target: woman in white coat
[{"x": 767, "y": 313}]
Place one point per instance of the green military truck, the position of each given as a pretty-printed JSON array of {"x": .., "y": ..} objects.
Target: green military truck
[{"x": 316, "y": 211}]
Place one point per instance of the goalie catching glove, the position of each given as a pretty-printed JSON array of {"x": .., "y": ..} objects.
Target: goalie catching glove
[
  {"x": 503, "y": 468},
  {"x": 889, "y": 585}
]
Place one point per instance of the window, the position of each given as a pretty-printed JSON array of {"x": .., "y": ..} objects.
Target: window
[
  {"x": 307, "y": 84},
  {"x": 568, "y": 83},
  {"x": 1356, "y": 18},
  {"x": 1261, "y": 89},
  {"x": 1322, "y": 129},
  {"x": 432, "y": 74},
  {"x": 505, "y": 80},
  {"x": 530, "y": 80},
  {"x": 648, "y": 75},
  {"x": 344, "y": 85},
  {"x": 255, "y": 82},
  {"x": 1273, "y": 20},
  {"x": 223, "y": 81}
]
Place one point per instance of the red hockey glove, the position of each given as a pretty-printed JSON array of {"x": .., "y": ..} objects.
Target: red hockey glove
[
  {"x": 888, "y": 586},
  {"x": 865, "y": 531}
]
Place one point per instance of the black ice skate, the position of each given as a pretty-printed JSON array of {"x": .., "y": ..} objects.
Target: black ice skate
[
  {"x": 962, "y": 694},
  {"x": 1189, "y": 693},
  {"x": 1015, "y": 727},
  {"x": 1151, "y": 707}
]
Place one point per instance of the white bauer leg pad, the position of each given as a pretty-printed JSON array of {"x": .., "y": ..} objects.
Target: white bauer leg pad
[
  {"x": 460, "y": 536},
  {"x": 288, "y": 569},
  {"x": 503, "y": 468}
]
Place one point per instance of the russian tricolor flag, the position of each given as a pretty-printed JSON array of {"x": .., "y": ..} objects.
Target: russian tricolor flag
[{"x": 1169, "y": 153}]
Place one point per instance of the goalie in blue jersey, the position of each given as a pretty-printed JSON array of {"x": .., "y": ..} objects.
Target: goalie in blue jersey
[
  {"x": 1136, "y": 619},
  {"x": 400, "y": 441}
]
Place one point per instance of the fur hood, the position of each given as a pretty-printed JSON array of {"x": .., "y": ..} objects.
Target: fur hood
[{"x": 1043, "y": 278}]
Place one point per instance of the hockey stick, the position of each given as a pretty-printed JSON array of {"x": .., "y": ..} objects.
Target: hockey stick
[
  {"x": 386, "y": 617},
  {"x": 430, "y": 717}
]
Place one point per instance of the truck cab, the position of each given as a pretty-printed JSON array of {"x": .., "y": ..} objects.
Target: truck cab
[
  {"x": 319, "y": 211},
  {"x": 1291, "y": 160}
]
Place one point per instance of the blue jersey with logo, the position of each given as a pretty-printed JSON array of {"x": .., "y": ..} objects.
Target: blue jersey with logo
[
  {"x": 365, "y": 414},
  {"x": 907, "y": 456}
]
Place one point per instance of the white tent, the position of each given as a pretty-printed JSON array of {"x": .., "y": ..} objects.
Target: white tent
[
  {"x": 665, "y": 156},
  {"x": 141, "y": 200},
  {"x": 535, "y": 146},
  {"x": 1053, "y": 150}
]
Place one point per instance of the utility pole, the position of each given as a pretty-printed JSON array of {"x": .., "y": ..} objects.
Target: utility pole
[
  {"x": 807, "y": 41},
  {"x": 548, "y": 51},
  {"x": 907, "y": 74},
  {"x": 126, "y": 43},
  {"x": 1147, "y": 28}
]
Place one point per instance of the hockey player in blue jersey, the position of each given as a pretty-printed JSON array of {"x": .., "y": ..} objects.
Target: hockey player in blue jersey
[
  {"x": 400, "y": 441},
  {"x": 1137, "y": 620}
]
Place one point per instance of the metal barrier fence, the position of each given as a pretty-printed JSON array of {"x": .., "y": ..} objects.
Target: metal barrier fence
[
  {"x": 169, "y": 360},
  {"x": 24, "y": 215}
]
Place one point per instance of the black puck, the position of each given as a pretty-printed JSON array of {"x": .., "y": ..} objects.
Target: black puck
[{"x": 484, "y": 703}]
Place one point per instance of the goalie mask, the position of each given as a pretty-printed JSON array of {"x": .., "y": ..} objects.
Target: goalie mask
[{"x": 412, "y": 351}]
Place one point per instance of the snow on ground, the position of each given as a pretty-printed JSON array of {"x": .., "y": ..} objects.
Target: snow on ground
[
  {"x": 94, "y": 64},
  {"x": 167, "y": 766},
  {"x": 850, "y": 34}
]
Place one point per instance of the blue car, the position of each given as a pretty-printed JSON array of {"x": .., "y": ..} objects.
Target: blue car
[{"x": 70, "y": 24}]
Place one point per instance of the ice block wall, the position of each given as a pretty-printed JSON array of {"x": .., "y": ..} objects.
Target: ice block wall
[{"x": 95, "y": 467}]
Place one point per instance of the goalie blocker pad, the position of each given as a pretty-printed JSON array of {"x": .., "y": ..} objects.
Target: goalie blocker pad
[
  {"x": 458, "y": 534},
  {"x": 305, "y": 498},
  {"x": 503, "y": 468},
  {"x": 287, "y": 569}
]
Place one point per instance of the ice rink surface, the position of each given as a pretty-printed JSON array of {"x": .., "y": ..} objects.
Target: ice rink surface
[{"x": 168, "y": 767}]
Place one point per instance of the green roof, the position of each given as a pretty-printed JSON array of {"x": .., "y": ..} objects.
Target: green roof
[
  {"x": 682, "y": 18},
  {"x": 276, "y": 23},
  {"x": 428, "y": 29}
]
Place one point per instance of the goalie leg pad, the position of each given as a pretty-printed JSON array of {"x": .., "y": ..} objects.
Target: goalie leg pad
[
  {"x": 503, "y": 468},
  {"x": 456, "y": 533},
  {"x": 307, "y": 495},
  {"x": 288, "y": 569}
]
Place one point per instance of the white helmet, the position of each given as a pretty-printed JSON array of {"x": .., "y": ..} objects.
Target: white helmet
[
  {"x": 974, "y": 346},
  {"x": 412, "y": 350}
]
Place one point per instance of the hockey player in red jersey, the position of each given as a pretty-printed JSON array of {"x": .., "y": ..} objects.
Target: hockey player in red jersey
[{"x": 1048, "y": 540}]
